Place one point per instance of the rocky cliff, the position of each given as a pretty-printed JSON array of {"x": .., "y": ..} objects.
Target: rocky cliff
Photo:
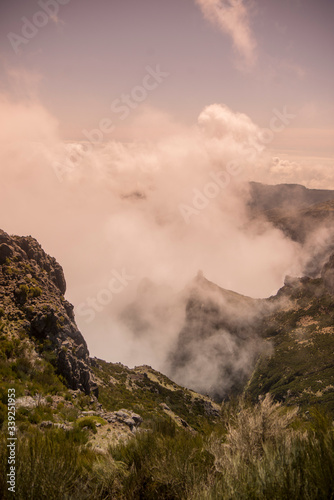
[
  {"x": 283, "y": 344},
  {"x": 45, "y": 357},
  {"x": 32, "y": 287}
]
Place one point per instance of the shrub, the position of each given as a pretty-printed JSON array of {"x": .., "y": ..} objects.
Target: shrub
[
  {"x": 160, "y": 465},
  {"x": 35, "y": 291},
  {"x": 22, "y": 292},
  {"x": 263, "y": 456},
  {"x": 257, "y": 452},
  {"x": 88, "y": 422},
  {"x": 49, "y": 465}
]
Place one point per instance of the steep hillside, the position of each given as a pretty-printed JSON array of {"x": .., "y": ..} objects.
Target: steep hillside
[
  {"x": 299, "y": 224},
  {"x": 300, "y": 368},
  {"x": 89, "y": 429},
  {"x": 288, "y": 340},
  {"x": 217, "y": 347},
  {"x": 32, "y": 287},
  {"x": 45, "y": 357},
  {"x": 283, "y": 345},
  {"x": 264, "y": 197},
  {"x": 297, "y": 211}
]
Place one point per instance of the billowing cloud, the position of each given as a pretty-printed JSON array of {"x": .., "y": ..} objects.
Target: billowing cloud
[
  {"x": 312, "y": 172},
  {"x": 132, "y": 223},
  {"x": 232, "y": 17}
]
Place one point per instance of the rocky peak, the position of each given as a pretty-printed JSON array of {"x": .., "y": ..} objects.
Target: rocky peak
[
  {"x": 28, "y": 248},
  {"x": 32, "y": 285},
  {"x": 327, "y": 274}
]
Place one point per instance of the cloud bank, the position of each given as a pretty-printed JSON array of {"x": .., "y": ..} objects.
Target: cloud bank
[{"x": 113, "y": 209}]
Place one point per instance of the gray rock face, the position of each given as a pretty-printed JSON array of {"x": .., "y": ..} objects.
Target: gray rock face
[
  {"x": 126, "y": 417},
  {"x": 32, "y": 285},
  {"x": 28, "y": 248}
]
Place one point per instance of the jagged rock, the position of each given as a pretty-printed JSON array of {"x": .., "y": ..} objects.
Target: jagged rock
[
  {"x": 210, "y": 411},
  {"x": 327, "y": 274},
  {"x": 5, "y": 252},
  {"x": 126, "y": 417},
  {"x": 137, "y": 419},
  {"x": 27, "y": 402},
  {"x": 129, "y": 422},
  {"x": 291, "y": 281},
  {"x": 122, "y": 414},
  {"x": 46, "y": 424},
  {"x": 165, "y": 407},
  {"x": 76, "y": 372},
  {"x": 32, "y": 285}
]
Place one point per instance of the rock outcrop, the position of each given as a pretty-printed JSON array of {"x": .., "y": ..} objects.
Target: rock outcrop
[
  {"x": 32, "y": 287},
  {"x": 327, "y": 274}
]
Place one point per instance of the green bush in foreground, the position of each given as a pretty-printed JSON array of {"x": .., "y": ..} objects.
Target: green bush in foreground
[
  {"x": 49, "y": 465},
  {"x": 257, "y": 452}
]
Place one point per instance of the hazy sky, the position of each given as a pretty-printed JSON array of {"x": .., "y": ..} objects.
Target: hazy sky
[
  {"x": 176, "y": 96},
  {"x": 252, "y": 56}
]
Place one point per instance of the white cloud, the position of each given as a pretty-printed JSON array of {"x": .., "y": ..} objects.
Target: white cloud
[
  {"x": 232, "y": 17},
  {"x": 311, "y": 172},
  {"x": 118, "y": 208}
]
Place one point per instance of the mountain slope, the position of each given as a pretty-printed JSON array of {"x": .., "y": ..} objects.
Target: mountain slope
[
  {"x": 32, "y": 303},
  {"x": 300, "y": 368},
  {"x": 283, "y": 345},
  {"x": 264, "y": 197},
  {"x": 297, "y": 211},
  {"x": 45, "y": 358},
  {"x": 217, "y": 346}
]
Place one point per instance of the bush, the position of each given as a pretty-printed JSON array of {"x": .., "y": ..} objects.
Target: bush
[
  {"x": 257, "y": 452},
  {"x": 49, "y": 465},
  {"x": 88, "y": 422},
  {"x": 35, "y": 291},
  {"x": 160, "y": 465},
  {"x": 263, "y": 456}
]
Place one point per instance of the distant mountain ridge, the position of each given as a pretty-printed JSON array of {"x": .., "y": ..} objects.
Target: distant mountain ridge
[
  {"x": 292, "y": 208},
  {"x": 264, "y": 197}
]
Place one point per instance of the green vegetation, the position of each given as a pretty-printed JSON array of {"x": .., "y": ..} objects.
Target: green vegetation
[
  {"x": 262, "y": 452},
  {"x": 273, "y": 442},
  {"x": 300, "y": 368},
  {"x": 137, "y": 391}
]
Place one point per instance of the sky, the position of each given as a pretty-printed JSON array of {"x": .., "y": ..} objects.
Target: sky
[
  {"x": 127, "y": 131},
  {"x": 252, "y": 56}
]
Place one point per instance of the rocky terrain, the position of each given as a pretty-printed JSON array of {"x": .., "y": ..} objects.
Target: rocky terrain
[
  {"x": 226, "y": 336},
  {"x": 300, "y": 367},
  {"x": 32, "y": 288},
  {"x": 294, "y": 209},
  {"x": 87, "y": 428},
  {"x": 286, "y": 197},
  {"x": 45, "y": 357}
]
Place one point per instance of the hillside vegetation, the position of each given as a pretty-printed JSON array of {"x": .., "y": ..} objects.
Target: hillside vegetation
[{"x": 89, "y": 429}]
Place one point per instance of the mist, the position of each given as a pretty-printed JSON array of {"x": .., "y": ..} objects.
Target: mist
[{"x": 133, "y": 222}]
